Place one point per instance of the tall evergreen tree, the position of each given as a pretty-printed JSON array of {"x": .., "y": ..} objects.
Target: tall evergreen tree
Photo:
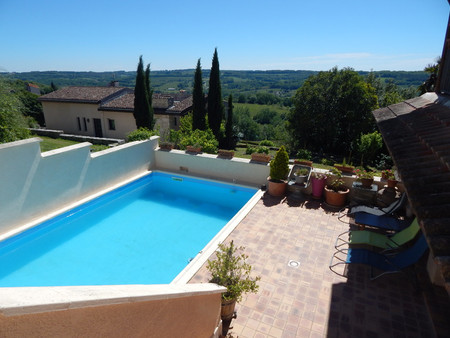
[
  {"x": 150, "y": 93},
  {"x": 215, "y": 104},
  {"x": 198, "y": 101},
  {"x": 141, "y": 104},
  {"x": 229, "y": 140}
]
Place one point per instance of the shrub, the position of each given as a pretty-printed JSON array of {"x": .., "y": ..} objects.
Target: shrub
[
  {"x": 369, "y": 147},
  {"x": 141, "y": 134},
  {"x": 231, "y": 270},
  {"x": 203, "y": 138},
  {"x": 279, "y": 166},
  {"x": 262, "y": 149},
  {"x": 266, "y": 143},
  {"x": 304, "y": 154},
  {"x": 250, "y": 150}
]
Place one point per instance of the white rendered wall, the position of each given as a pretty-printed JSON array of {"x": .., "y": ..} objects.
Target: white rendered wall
[
  {"x": 34, "y": 184},
  {"x": 237, "y": 170}
]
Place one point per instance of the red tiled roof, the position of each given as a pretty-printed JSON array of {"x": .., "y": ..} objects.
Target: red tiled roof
[
  {"x": 181, "y": 106},
  {"x": 82, "y": 94},
  {"x": 417, "y": 134},
  {"x": 122, "y": 103}
]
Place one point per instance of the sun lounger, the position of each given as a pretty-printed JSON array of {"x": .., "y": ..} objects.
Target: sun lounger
[
  {"x": 381, "y": 222},
  {"x": 389, "y": 210},
  {"x": 387, "y": 263},
  {"x": 382, "y": 241}
]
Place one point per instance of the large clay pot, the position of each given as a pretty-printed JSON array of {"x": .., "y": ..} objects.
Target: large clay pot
[
  {"x": 277, "y": 189},
  {"x": 317, "y": 187},
  {"x": 367, "y": 182},
  {"x": 336, "y": 199}
]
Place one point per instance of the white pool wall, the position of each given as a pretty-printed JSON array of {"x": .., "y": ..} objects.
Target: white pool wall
[{"x": 34, "y": 184}]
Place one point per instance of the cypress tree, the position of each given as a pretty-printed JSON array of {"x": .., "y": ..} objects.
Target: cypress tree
[
  {"x": 198, "y": 101},
  {"x": 150, "y": 94},
  {"x": 229, "y": 141},
  {"x": 215, "y": 104},
  {"x": 141, "y": 104}
]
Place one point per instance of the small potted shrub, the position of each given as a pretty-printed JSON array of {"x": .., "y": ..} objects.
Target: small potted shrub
[
  {"x": 318, "y": 181},
  {"x": 231, "y": 270},
  {"x": 336, "y": 192},
  {"x": 279, "y": 170},
  {"x": 261, "y": 154},
  {"x": 301, "y": 175},
  {"x": 365, "y": 177}
]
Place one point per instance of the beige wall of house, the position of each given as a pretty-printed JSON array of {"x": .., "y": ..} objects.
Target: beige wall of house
[
  {"x": 124, "y": 123},
  {"x": 65, "y": 115}
]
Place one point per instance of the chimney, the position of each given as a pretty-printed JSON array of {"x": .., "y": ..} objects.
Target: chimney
[{"x": 114, "y": 83}]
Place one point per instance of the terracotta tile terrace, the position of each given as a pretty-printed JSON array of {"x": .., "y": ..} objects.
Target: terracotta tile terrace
[{"x": 309, "y": 300}]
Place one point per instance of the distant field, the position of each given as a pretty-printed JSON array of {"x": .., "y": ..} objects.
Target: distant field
[{"x": 49, "y": 143}]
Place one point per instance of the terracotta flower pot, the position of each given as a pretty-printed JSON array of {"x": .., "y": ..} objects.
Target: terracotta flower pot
[
  {"x": 336, "y": 199},
  {"x": 261, "y": 157},
  {"x": 366, "y": 182},
  {"x": 392, "y": 183},
  {"x": 277, "y": 189}
]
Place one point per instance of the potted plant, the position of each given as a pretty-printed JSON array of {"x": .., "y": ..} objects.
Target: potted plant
[
  {"x": 365, "y": 177},
  {"x": 279, "y": 169},
  {"x": 389, "y": 175},
  {"x": 261, "y": 154},
  {"x": 301, "y": 175},
  {"x": 231, "y": 270},
  {"x": 223, "y": 153},
  {"x": 196, "y": 148},
  {"x": 318, "y": 181},
  {"x": 336, "y": 192},
  {"x": 344, "y": 167},
  {"x": 166, "y": 145}
]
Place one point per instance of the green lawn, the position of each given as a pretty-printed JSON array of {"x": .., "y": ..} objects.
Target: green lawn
[{"x": 49, "y": 143}]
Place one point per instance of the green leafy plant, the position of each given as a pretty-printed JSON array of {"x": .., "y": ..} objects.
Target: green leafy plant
[
  {"x": 302, "y": 172},
  {"x": 337, "y": 184},
  {"x": 279, "y": 166},
  {"x": 141, "y": 134},
  {"x": 231, "y": 270},
  {"x": 304, "y": 154},
  {"x": 250, "y": 150},
  {"x": 262, "y": 149},
  {"x": 203, "y": 138},
  {"x": 266, "y": 143}
]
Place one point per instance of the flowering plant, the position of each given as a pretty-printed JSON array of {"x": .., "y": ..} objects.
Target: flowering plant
[
  {"x": 363, "y": 174},
  {"x": 317, "y": 175},
  {"x": 388, "y": 174}
]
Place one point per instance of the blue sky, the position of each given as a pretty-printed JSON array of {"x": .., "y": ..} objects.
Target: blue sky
[{"x": 109, "y": 35}]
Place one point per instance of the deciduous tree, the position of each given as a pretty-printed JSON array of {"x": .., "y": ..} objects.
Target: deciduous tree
[{"x": 331, "y": 110}]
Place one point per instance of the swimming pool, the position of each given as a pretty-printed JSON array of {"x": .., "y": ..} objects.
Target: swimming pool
[{"x": 145, "y": 232}]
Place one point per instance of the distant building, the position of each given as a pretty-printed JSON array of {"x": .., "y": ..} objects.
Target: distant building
[
  {"x": 32, "y": 88},
  {"x": 108, "y": 111}
]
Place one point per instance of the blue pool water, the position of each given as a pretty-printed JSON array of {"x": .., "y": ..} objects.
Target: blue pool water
[{"x": 142, "y": 233}]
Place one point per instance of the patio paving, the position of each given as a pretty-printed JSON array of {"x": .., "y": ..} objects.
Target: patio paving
[{"x": 309, "y": 300}]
